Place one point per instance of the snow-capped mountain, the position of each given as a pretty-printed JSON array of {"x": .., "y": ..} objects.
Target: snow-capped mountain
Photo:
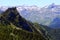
[{"x": 43, "y": 15}]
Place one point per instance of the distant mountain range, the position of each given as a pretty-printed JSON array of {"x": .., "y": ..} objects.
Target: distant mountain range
[{"x": 44, "y": 15}]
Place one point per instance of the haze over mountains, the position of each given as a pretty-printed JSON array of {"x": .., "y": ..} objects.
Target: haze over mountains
[{"x": 45, "y": 15}]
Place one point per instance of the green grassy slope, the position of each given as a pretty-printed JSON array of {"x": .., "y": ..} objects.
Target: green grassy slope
[{"x": 11, "y": 32}]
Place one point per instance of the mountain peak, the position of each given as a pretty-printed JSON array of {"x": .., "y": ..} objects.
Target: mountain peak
[
  {"x": 13, "y": 8},
  {"x": 52, "y": 6},
  {"x": 12, "y": 15}
]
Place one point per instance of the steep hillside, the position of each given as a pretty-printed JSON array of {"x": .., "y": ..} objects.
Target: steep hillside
[{"x": 11, "y": 32}]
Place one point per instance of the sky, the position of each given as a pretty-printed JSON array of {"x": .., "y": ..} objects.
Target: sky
[{"x": 39, "y": 3}]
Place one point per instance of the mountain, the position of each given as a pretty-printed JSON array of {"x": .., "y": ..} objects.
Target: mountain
[
  {"x": 49, "y": 16},
  {"x": 15, "y": 18},
  {"x": 44, "y": 15},
  {"x": 16, "y": 22},
  {"x": 14, "y": 27},
  {"x": 55, "y": 23}
]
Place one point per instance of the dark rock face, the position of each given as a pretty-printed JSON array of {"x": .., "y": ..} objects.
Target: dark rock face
[{"x": 14, "y": 17}]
